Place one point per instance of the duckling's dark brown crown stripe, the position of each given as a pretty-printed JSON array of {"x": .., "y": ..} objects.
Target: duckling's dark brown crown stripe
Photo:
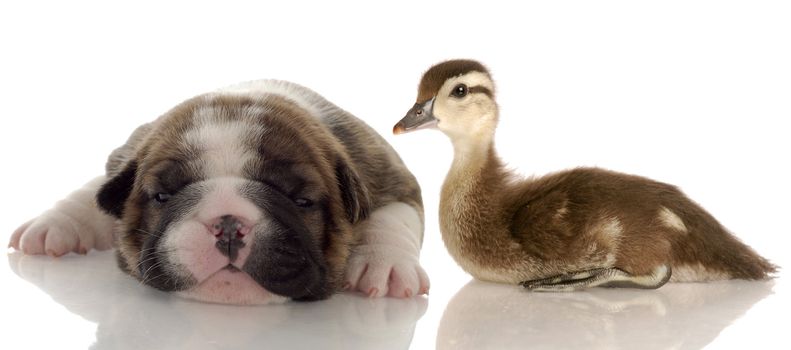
[
  {"x": 481, "y": 90},
  {"x": 437, "y": 75}
]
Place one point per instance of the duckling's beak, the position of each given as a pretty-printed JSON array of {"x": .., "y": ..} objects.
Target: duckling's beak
[{"x": 421, "y": 116}]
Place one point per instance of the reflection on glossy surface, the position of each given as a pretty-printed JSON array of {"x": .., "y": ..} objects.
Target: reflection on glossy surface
[
  {"x": 676, "y": 316},
  {"x": 130, "y": 315}
]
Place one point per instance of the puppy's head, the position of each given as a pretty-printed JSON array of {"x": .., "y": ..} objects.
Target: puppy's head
[{"x": 237, "y": 200}]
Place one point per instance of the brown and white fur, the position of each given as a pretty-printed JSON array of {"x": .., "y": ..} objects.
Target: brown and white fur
[
  {"x": 257, "y": 193},
  {"x": 569, "y": 230}
]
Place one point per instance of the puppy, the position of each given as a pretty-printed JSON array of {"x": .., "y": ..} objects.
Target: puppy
[{"x": 257, "y": 193}]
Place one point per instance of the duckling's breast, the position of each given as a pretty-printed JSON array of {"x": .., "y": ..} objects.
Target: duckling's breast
[{"x": 480, "y": 242}]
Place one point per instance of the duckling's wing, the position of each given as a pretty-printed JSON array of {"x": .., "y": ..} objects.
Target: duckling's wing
[{"x": 543, "y": 226}]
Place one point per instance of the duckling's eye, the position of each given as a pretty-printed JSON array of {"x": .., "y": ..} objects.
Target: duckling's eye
[{"x": 459, "y": 91}]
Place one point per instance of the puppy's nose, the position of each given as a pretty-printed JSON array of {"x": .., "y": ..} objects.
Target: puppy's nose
[
  {"x": 229, "y": 231},
  {"x": 228, "y": 227}
]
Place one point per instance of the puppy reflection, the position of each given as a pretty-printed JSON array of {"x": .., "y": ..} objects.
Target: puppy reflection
[
  {"x": 130, "y": 315},
  {"x": 687, "y": 315}
]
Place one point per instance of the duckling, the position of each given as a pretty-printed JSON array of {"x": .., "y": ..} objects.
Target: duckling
[{"x": 570, "y": 230}]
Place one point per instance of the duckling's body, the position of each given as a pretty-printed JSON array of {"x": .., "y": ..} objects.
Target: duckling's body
[{"x": 569, "y": 230}]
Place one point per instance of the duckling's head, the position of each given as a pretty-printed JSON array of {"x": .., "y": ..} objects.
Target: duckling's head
[{"x": 456, "y": 97}]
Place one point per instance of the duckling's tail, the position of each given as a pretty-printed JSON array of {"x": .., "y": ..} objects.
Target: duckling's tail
[{"x": 707, "y": 251}]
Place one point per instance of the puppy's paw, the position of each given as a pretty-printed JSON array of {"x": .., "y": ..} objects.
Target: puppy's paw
[
  {"x": 379, "y": 270},
  {"x": 386, "y": 261},
  {"x": 59, "y": 231}
]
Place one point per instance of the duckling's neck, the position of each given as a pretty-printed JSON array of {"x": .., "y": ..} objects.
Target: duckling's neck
[
  {"x": 472, "y": 154},
  {"x": 474, "y": 179},
  {"x": 474, "y": 147},
  {"x": 472, "y": 217}
]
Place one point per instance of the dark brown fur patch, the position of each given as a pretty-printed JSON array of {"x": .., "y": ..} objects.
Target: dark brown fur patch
[{"x": 436, "y": 76}]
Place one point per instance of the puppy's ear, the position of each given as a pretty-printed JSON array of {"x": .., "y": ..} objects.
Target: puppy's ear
[
  {"x": 115, "y": 191},
  {"x": 356, "y": 199}
]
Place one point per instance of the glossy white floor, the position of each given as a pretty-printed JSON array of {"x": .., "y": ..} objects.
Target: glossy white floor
[
  {"x": 693, "y": 93},
  {"x": 79, "y": 302}
]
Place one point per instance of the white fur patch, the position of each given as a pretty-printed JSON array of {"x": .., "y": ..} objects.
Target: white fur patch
[
  {"x": 75, "y": 224},
  {"x": 223, "y": 198},
  {"x": 659, "y": 274},
  {"x": 609, "y": 259},
  {"x": 221, "y": 144},
  {"x": 696, "y": 273},
  {"x": 507, "y": 275},
  {"x": 399, "y": 217},
  {"x": 386, "y": 261},
  {"x": 228, "y": 287},
  {"x": 671, "y": 220},
  {"x": 609, "y": 232},
  {"x": 611, "y": 228},
  {"x": 561, "y": 213},
  {"x": 302, "y": 96}
]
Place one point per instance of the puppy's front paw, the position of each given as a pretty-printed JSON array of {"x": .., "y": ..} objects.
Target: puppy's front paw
[
  {"x": 57, "y": 232},
  {"x": 378, "y": 270},
  {"x": 386, "y": 263}
]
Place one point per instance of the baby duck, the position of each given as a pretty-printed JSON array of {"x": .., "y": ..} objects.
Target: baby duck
[{"x": 570, "y": 230}]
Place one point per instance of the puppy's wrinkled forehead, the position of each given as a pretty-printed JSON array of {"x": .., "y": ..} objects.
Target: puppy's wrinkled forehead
[
  {"x": 217, "y": 136},
  {"x": 225, "y": 137}
]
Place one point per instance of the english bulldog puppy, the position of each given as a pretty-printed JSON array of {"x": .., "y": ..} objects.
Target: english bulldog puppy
[{"x": 258, "y": 193}]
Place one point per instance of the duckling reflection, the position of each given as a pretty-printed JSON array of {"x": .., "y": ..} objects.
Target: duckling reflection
[
  {"x": 679, "y": 316},
  {"x": 129, "y": 315}
]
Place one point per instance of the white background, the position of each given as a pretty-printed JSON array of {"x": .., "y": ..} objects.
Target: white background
[{"x": 694, "y": 93}]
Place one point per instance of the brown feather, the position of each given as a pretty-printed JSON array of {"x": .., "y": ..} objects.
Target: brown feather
[{"x": 439, "y": 73}]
